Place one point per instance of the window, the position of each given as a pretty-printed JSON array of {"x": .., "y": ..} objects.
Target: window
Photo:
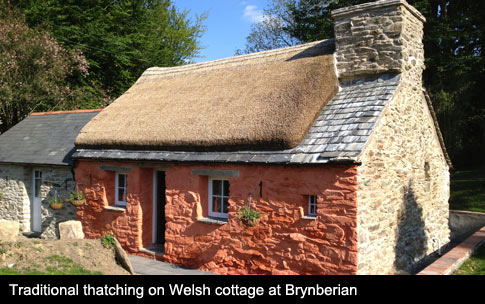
[
  {"x": 121, "y": 187},
  {"x": 37, "y": 183},
  {"x": 312, "y": 205},
  {"x": 218, "y": 197}
]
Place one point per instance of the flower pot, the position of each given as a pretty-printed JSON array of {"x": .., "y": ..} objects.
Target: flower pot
[
  {"x": 250, "y": 222},
  {"x": 78, "y": 203},
  {"x": 56, "y": 206}
]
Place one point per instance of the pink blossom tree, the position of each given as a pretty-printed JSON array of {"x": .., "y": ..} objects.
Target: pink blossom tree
[{"x": 34, "y": 69}]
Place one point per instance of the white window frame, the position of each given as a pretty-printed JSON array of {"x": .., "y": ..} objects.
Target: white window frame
[
  {"x": 312, "y": 202},
  {"x": 37, "y": 183},
  {"x": 212, "y": 213},
  {"x": 117, "y": 187}
]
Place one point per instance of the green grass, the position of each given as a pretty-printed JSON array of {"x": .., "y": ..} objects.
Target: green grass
[
  {"x": 468, "y": 190},
  {"x": 58, "y": 265},
  {"x": 475, "y": 265}
]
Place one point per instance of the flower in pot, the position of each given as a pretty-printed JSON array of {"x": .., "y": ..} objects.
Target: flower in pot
[
  {"x": 56, "y": 203},
  {"x": 77, "y": 198},
  {"x": 249, "y": 217}
]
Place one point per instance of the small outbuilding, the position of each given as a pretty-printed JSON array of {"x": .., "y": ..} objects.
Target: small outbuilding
[
  {"x": 334, "y": 143},
  {"x": 36, "y": 165}
]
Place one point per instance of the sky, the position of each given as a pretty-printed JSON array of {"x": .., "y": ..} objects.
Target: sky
[{"x": 227, "y": 26}]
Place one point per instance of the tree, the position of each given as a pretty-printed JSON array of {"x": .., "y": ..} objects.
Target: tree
[
  {"x": 273, "y": 31},
  {"x": 291, "y": 22},
  {"x": 120, "y": 39},
  {"x": 34, "y": 69}
]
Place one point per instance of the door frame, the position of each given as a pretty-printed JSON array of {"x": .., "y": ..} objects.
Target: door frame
[
  {"x": 155, "y": 204},
  {"x": 36, "y": 206}
]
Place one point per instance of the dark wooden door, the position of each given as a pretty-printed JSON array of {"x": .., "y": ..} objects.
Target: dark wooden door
[{"x": 160, "y": 208}]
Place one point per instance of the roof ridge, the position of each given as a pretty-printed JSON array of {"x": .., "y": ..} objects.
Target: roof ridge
[
  {"x": 159, "y": 71},
  {"x": 65, "y": 112}
]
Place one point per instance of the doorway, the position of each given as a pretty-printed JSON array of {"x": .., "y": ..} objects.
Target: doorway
[
  {"x": 36, "y": 212},
  {"x": 159, "y": 208}
]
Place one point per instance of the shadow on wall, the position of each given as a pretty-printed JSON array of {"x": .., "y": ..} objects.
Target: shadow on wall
[
  {"x": 411, "y": 243},
  {"x": 51, "y": 218}
]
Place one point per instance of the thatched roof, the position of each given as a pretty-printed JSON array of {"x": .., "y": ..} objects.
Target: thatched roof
[{"x": 266, "y": 100}]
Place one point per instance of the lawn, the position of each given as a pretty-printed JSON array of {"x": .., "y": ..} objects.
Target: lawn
[
  {"x": 474, "y": 265},
  {"x": 53, "y": 265},
  {"x": 468, "y": 190}
]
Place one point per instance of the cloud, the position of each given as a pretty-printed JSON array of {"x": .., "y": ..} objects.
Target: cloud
[{"x": 253, "y": 14}]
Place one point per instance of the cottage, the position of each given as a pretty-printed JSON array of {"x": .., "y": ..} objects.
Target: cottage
[
  {"x": 334, "y": 143},
  {"x": 35, "y": 165}
]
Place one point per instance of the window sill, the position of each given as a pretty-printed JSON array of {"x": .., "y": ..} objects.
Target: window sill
[
  {"x": 309, "y": 217},
  {"x": 212, "y": 220},
  {"x": 115, "y": 208}
]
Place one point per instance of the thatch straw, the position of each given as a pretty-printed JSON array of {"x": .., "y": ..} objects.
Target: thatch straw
[{"x": 262, "y": 101}]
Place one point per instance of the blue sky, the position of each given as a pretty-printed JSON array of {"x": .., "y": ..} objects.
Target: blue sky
[{"x": 227, "y": 26}]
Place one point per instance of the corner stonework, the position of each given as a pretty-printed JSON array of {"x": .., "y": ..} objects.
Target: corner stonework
[{"x": 403, "y": 182}]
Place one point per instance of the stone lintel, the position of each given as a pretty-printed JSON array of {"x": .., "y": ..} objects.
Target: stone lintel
[
  {"x": 209, "y": 172},
  {"x": 114, "y": 168}
]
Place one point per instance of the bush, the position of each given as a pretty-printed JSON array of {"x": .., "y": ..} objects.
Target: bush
[{"x": 108, "y": 240}]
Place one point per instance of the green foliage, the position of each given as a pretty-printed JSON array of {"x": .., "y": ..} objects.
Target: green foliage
[
  {"x": 468, "y": 190},
  {"x": 55, "y": 200},
  {"x": 120, "y": 39},
  {"x": 3, "y": 250},
  {"x": 34, "y": 69},
  {"x": 475, "y": 265},
  {"x": 54, "y": 265},
  {"x": 108, "y": 240},
  {"x": 76, "y": 196},
  {"x": 249, "y": 217},
  {"x": 58, "y": 55}
]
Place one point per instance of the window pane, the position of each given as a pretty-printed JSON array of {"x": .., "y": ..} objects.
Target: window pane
[
  {"x": 226, "y": 188},
  {"x": 121, "y": 195},
  {"x": 216, "y": 204},
  {"x": 225, "y": 205},
  {"x": 121, "y": 180},
  {"x": 38, "y": 183},
  {"x": 216, "y": 187},
  {"x": 37, "y": 187},
  {"x": 312, "y": 205}
]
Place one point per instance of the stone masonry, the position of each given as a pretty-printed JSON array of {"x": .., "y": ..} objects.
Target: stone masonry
[
  {"x": 16, "y": 187},
  {"x": 378, "y": 37},
  {"x": 15, "y": 205},
  {"x": 403, "y": 182}
]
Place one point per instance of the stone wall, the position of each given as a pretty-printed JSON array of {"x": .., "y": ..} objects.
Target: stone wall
[
  {"x": 56, "y": 180},
  {"x": 283, "y": 243},
  {"x": 15, "y": 204},
  {"x": 403, "y": 188},
  {"x": 16, "y": 186},
  {"x": 377, "y": 37},
  {"x": 403, "y": 182}
]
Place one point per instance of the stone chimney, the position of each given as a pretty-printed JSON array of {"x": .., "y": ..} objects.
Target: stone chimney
[{"x": 379, "y": 37}]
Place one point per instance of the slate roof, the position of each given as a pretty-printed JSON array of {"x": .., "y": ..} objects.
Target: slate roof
[
  {"x": 338, "y": 134},
  {"x": 44, "y": 138}
]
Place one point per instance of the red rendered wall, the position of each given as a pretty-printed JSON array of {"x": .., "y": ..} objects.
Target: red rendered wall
[{"x": 283, "y": 243}]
